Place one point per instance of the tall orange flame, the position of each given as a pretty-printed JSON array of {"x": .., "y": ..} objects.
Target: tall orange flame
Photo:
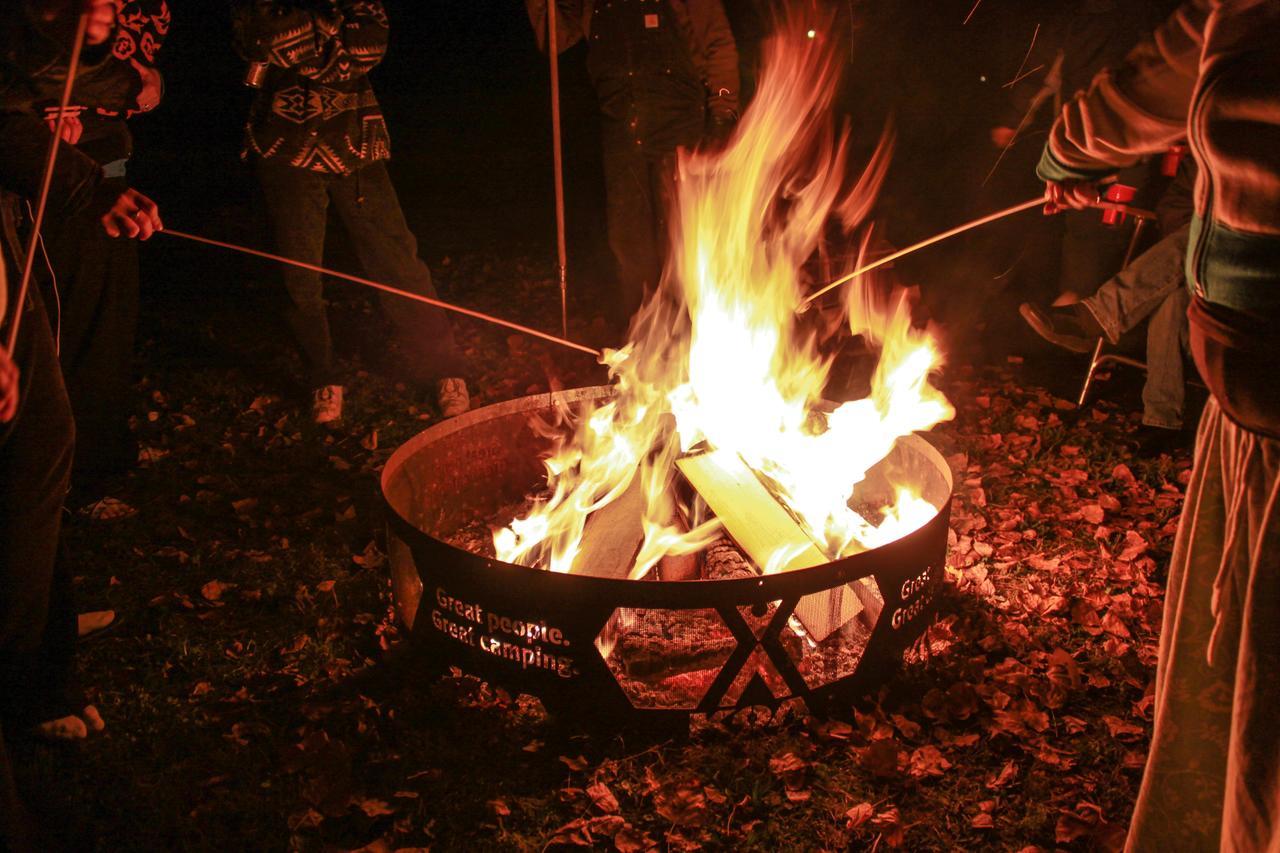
[{"x": 716, "y": 355}]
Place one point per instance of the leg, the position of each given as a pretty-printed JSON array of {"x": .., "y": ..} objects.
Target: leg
[
  {"x": 631, "y": 214},
  {"x": 370, "y": 210},
  {"x": 98, "y": 293},
  {"x": 16, "y": 830},
  {"x": 1165, "y": 389},
  {"x": 1125, "y": 299},
  {"x": 1091, "y": 252},
  {"x": 297, "y": 203},
  {"x": 37, "y": 620}
]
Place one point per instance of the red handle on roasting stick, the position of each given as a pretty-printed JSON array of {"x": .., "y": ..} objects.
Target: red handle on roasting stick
[
  {"x": 46, "y": 180},
  {"x": 386, "y": 288},
  {"x": 1038, "y": 201}
]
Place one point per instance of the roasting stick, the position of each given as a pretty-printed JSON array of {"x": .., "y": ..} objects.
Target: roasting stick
[
  {"x": 1138, "y": 212},
  {"x": 46, "y": 180},
  {"x": 386, "y": 288},
  {"x": 937, "y": 238},
  {"x": 557, "y": 156}
]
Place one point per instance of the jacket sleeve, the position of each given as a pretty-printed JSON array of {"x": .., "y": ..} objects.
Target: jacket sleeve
[
  {"x": 1136, "y": 109},
  {"x": 715, "y": 56},
  {"x": 570, "y": 27},
  {"x": 328, "y": 48},
  {"x": 77, "y": 179}
]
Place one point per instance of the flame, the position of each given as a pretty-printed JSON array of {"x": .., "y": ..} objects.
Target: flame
[{"x": 716, "y": 355}]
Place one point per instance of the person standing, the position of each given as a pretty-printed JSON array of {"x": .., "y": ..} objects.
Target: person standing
[
  {"x": 317, "y": 137},
  {"x": 666, "y": 76},
  {"x": 1212, "y": 73},
  {"x": 37, "y": 618},
  {"x": 96, "y": 275}
]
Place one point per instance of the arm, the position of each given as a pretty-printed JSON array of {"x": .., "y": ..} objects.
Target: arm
[
  {"x": 78, "y": 183},
  {"x": 569, "y": 23},
  {"x": 715, "y": 56},
  {"x": 1139, "y": 108},
  {"x": 328, "y": 48},
  {"x": 76, "y": 178}
]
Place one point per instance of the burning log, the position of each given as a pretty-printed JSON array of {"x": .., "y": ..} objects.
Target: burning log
[
  {"x": 613, "y": 535},
  {"x": 762, "y": 528},
  {"x": 722, "y": 560},
  {"x": 657, "y": 643}
]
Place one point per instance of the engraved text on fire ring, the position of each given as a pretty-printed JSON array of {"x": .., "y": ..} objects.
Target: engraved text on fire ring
[
  {"x": 921, "y": 587},
  {"x": 514, "y": 640}
]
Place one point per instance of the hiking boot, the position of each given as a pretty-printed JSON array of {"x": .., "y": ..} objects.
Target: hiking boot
[
  {"x": 1071, "y": 328},
  {"x": 452, "y": 396},
  {"x": 326, "y": 404}
]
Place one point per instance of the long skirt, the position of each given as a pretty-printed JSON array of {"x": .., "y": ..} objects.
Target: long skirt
[{"x": 1212, "y": 780}]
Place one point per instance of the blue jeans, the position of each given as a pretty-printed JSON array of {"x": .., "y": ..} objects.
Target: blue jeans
[
  {"x": 1154, "y": 286},
  {"x": 366, "y": 202}
]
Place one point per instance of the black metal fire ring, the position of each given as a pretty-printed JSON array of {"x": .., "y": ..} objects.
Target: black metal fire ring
[{"x": 533, "y": 631}]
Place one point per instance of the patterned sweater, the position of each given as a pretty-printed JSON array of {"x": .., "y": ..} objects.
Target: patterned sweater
[
  {"x": 317, "y": 110},
  {"x": 107, "y": 94}
]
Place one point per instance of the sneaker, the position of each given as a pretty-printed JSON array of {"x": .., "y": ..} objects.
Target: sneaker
[
  {"x": 326, "y": 404},
  {"x": 1071, "y": 328},
  {"x": 452, "y": 396}
]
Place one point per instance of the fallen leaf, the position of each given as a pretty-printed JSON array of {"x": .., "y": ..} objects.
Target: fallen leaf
[
  {"x": 602, "y": 798},
  {"x": 213, "y": 590},
  {"x": 859, "y": 814},
  {"x": 110, "y": 509}
]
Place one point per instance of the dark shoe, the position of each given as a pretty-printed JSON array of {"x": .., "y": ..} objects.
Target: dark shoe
[
  {"x": 1154, "y": 441},
  {"x": 1071, "y": 328}
]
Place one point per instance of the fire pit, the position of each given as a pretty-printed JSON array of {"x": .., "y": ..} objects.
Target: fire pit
[{"x": 619, "y": 652}]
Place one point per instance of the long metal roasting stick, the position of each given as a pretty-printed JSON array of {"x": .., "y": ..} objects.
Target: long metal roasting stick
[
  {"x": 557, "y": 157},
  {"x": 386, "y": 288},
  {"x": 937, "y": 238},
  {"x": 1139, "y": 212},
  {"x": 46, "y": 180}
]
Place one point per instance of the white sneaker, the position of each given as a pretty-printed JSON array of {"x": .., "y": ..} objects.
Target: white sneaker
[
  {"x": 452, "y": 396},
  {"x": 326, "y": 404}
]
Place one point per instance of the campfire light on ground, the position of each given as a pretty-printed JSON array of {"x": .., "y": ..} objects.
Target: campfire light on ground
[{"x": 718, "y": 361}]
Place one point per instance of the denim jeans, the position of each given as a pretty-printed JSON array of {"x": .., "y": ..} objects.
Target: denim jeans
[
  {"x": 298, "y": 201},
  {"x": 638, "y": 191},
  {"x": 1153, "y": 285}
]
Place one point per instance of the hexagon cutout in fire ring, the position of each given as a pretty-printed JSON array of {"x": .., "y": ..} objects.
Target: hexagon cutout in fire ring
[
  {"x": 665, "y": 659},
  {"x": 830, "y": 630}
]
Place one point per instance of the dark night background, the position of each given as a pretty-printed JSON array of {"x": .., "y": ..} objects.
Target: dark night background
[
  {"x": 466, "y": 95},
  {"x": 252, "y": 690}
]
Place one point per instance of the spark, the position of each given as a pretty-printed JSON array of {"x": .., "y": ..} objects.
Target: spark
[{"x": 1019, "y": 75}]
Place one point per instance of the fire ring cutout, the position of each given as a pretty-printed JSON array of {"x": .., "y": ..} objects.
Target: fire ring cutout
[{"x": 615, "y": 653}]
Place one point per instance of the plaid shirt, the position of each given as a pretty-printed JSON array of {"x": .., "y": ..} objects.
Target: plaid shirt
[{"x": 317, "y": 110}]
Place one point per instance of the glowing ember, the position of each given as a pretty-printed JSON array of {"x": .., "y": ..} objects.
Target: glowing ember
[{"x": 717, "y": 358}]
